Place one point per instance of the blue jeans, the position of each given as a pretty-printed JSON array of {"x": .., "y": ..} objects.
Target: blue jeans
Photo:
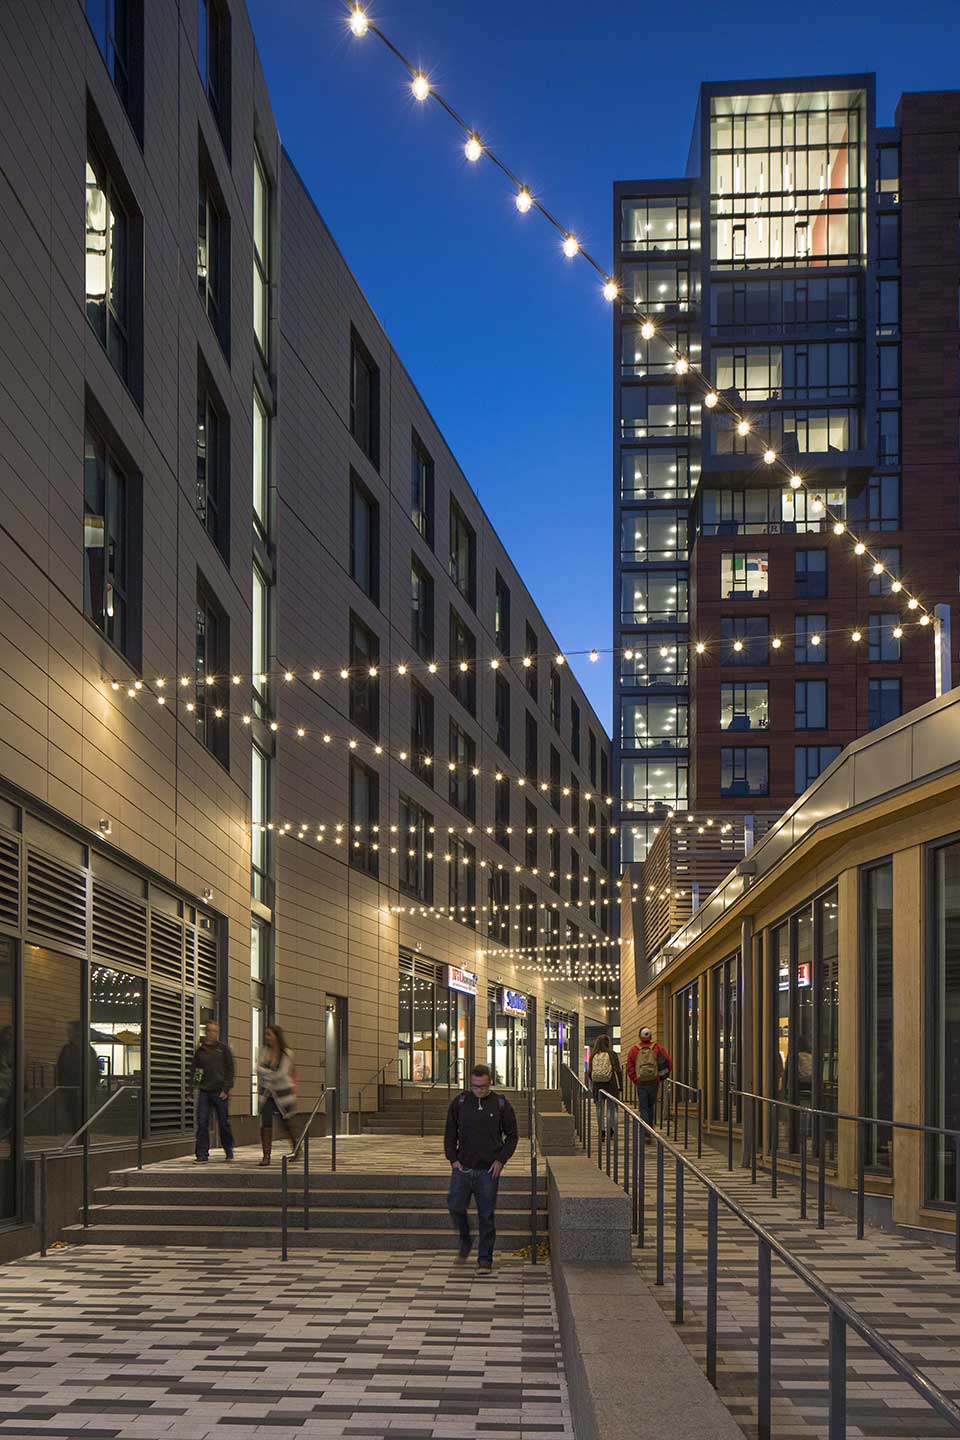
[
  {"x": 647, "y": 1101},
  {"x": 481, "y": 1185},
  {"x": 208, "y": 1100}
]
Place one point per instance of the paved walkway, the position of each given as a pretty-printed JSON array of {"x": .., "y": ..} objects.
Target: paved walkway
[
  {"x": 396, "y": 1154},
  {"x": 113, "y": 1343}
]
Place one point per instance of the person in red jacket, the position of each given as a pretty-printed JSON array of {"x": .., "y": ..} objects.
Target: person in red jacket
[{"x": 647, "y": 1065}]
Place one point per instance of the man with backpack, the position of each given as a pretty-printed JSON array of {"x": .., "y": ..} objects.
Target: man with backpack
[
  {"x": 647, "y": 1065},
  {"x": 480, "y": 1137}
]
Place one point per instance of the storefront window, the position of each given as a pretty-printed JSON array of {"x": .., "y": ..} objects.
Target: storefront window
[
  {"x": 434, "y": 1026},
  {"x": 507, "y": 1037},
  {"x": 116, "y": 1039},
  {"x": 877, "y": 1019},
  {"x": 942, "y": 1040},
  {"x": 803, "y": 965},
  {"x": 8, "y": 1072},
  {"x": 559, "y": 1045},
  {"x": 727, "y": 984},
  {"x": 60, "y": 1065},
  {"x": 688, "y": 1035}
]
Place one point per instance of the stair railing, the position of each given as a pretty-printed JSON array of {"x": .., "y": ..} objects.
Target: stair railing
[
  {"x": 532, "y": 1122},
  {"x": 303, "y": 1143},
  {"x": 379, "y": 1078},
  {"x": 426, "y": 1090},
  {"x": 84, "y": 1134}
]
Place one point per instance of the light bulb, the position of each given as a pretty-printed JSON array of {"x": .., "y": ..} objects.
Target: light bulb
[
  {"x": 859, "y": 548},
  {"x": 776, "y": 642},
  {"x": 561, "y": 660},
  {"x": 524, "y": 200},
  {"x": 814, "y": 639},
  {"x": 897, "y": 632},
  {"x": 648, "y": 330},
  {"x": 839, "y": 528},
  {"x": 473, "y": 149},
  {"x": 494, "y": 664},
  {"x": 359, "y": 23},
  {"x": 738, "y": 645},
  {"x": 878, "y": 568},
  {"x": 924, "y": 619},
  {"x": 769, "y": 456},
  {"x": 856, "y": 636},
  {"x": 817, "y": 505},
  {"x": 682, "y": 365},
  {"x": 896, "y": 587},
  {"x": 700, "y": 647},
  {"x": 401, "y": 669},
  {"x": 571, "y": 247},
  {"x": 743, "y": 427},
  {"x": 420, "y": 86},
  {"x": 594, "y": 656},
  {"x": 527, "y": 662},
  {"x": 611, "y": 290},
  {"x": 796, "y": 481},
  {"x": 912, "y": 603},
  {"x": 711, "y": 399}
]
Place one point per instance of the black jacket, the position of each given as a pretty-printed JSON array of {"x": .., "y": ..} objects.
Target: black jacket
[
  {"x": 480, "y": 1131},
  {"x": 213, "y": 1068}
]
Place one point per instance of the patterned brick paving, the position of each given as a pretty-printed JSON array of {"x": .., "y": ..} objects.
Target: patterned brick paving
[{"x": 113, "y": 1343}]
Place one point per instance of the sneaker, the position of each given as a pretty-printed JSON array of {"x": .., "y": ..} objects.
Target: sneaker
[
  {"x": 201, "y": 1159},
  {"x": 265, "y": 1161},
  {"x": 463, "y": 1253},
  {"x": 485, "y": 1265},
  {"x": 228, "y": 1158}
]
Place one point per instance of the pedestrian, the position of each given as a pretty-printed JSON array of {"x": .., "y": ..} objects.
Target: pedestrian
[
  {"x": 606, "y": 1078},
  {"x": 277, "y": 1083},
  {"x": 213, "y": 1076},
  {"x": 480, "y": 1137},
  {"x": 647, "y": 1066}
]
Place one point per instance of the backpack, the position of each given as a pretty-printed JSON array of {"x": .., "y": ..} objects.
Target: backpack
[
  {"x": 601, "y": 1067},
  {"x": 646, "y": 1065}
]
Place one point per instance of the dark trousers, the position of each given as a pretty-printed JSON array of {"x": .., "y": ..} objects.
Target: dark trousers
[
  {"x": 647, "y": 1101},
  {"x": 481, "y": 1185},
  {"x": 207, "y": 1101}
]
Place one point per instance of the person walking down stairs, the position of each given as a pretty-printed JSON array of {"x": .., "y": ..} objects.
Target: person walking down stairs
[
  {"x": 479, "y": 1139},
  {"x": 213, "y": 1077},
  {"x": 606, "y": 1078},
  {"x": 277, "y": 1082}
]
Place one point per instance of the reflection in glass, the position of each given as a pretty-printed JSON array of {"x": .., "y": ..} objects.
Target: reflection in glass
[
  {"x": 878, "y": 1079},
  {"x": 116, "y": 1038},
  {"x": 943, "y": 1010},
  {"x": 8, "y": 1073},
  {"x": 59, "y": 1063}
]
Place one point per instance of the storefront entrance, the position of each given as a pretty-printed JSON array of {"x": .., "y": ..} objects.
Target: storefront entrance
[
  {"x": 560, "y": 1045},
  {"x": 507, "y": 1032},
  {"x": 435, "y": 1022}
]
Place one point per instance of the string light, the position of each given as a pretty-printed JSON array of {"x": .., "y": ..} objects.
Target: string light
[
  {"x": 571, "y": 247},
  {"x": 611, "y": 290},
  {"x": 420, "y": 86},
  {"x": 359, "y": 23},
  {"x": 524, "y": 200}
]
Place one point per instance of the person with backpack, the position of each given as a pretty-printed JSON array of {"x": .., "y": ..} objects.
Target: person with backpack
[
  {"x": 479, "y": 1139},
  {"x": 606, "y": 1078},
  {"x": 647, "y": 1065}
]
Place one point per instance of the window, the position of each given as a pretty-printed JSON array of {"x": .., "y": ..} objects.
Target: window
[
  {"x": 809, "y": 641},
  {"x": 530, "y": 669},
  {"x": 213, "y": 252},
  {"x": 110, "y": 267},
  {"x": 884, "y": 645},
  {"x": 810, "y": 705},
  {"x": 364, "y": 539},
  {"x": 744, "y": 771},
  {"x": 556, "y": 786},
  {"x": 261, "y": 464},
  {"x": 941, "y": 1040},
  {"x": 213, "y": 59},
  {"x": 259, "y": 815},
  {"x": 212, "y": 687},
  {"x": 111, "y": 546},
  {"x": 502, "y": 705},
  {"x": 364, "y": 677},
  {"x": 463, "y": 554},
  {"x": 592, "y": 895},
  {"x": 574, "y": 877},
  {"x": 421, "y": 732},
  {"x": 260, "y": 650},
  {"x": 888, "y": 307},
  {"x": 889, "y": 558},
  {"x": 117, "y": 27},
  {"x": 261, "y": 254},
  {"x": 502, "y": 615},
  {"x": 463, "y": 881},
  {"x": 659, "y": 473},
  {"x": 687, "y": 1044},
  {"x": 809, "y": 761},
  {"x": 463, "y": 663},
  {"x": 876, "y": 972},
  {"x": 364, "y": 817},
  {"x": 592, "y": 760},
  {"x": 555, "y": 859},
  {"x": 655, "y": 223},
  {"x": 751, "y": 633},
  {"x": 888, "y": 373},
  {"x": 727, "y": 987},
  {"x": 575, "y": 729},
  {"x": 501, "y": 813},
  {"x": 498, "y": 918},
  {"x": 463, "y": 782},
  {"x": 531, "y": 748},
  {"x": 528, "y": 919},
  {"x": 810, "y": 574},
  {"x": 416, "y": 851},
  {"x": 884, "y": 702},
  {"x": 531, "y": 847},
  {"x": 888, "y": 171},
  {"x": 213, "y": 463},
  {"x": 421, "y": 610},
  {"x": 592, "y": 825},
  {"x": 575, "y": 804},
  {"x": 659, "y": 596},
  {"x": 883, "y": 502},
  {"x": 421, "y": 488},
  {"x": 553, "y": 931},
  {"x": 743, "y": 575},
  {"x": 604, "y": 772},
  {"x": 605, "y": 861},
  {"x": 888, "y": 236},
  {"x": 744, "y": 705},
  {"x": 888, "y": 437},
  {"x": 364, "y": 399},
  {"x": 555, "y": 698},
  {"x": 649, "y": 535}
]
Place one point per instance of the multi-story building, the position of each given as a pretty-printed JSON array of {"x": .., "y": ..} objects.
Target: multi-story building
[
  {"x": 284, "y": 737},
  {"x": 808, "y": 263}
]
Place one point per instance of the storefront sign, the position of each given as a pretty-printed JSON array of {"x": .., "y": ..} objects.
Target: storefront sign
[
  {"x": 803, "y": 973},
  {"x": 464, "y": 980},
  {"x": 512, "y": 1002}
]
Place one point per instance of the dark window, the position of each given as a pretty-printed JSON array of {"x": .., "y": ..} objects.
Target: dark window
[
  {"x": 111, "y": 545},
  {"x": 554, "y": 858},
  {"x": 212, "y": 692},
  {"x": 463, "y": 762},
  {"x": 530, "y": 655},
  {"x": 810, "y": 574},
  {"x": 592, "y": 764},
  {"x": 809, "y": 761},
  {"x": 574, "y": 878},
  {"x": 941, "y": 1038},
  {"x": 553, "y": 931},
  {"x": 421, "y": 732},
  {"x": 744, "y": 770},
  {"x": 364, "y": 539},
  {"x": 213, "y": 463},
  {"x": 878, "y": 1081},
  {"x": 592, "y": 895},
  {"x": 213, "y": 59},
  {"x": 416, "y": 851},
  {"x": 888, "y": 236},
  {"x": 884, "y": 645},
  {"x": 556, "y": 784},
  {"x": 364, "y": 817},
  {"x": 463, "y": 663},
  {"x": 260, "y": 840},
  {"x": 888, "y": 373},
  {"x": 502, "y": 615},
  {"x": 213, "y": 251},
  {"x": 575, "y": 804},
  {"x": 888, "y": 307},
  {"x": 888, "y": 437},
  {"x": 421, "y": 610},
  {"x": 592, "y": 825},
  {"x": 810, "y": 705},
  {"x": 463, "y": 881},
  {"x": 463, "y": 554},
  {"x": 531, "y": 846},
  {"x": 809, "y": 640},
  {"x": 575, "y": 729},
  {"x": 605, "y": 860},
  {"x": 110, "y": 266},
  {"x": 555, "y": 698},
  {"x": 501, "y": 813},
  {"x": 364, "y": 677},
  {"x": 751, "y": 633},
  {"x": 421, "y": 488},
  {"x": 604, "y": 772},
  {"x": 262, "y": 204},
  {"x": 884, "y": 702},
  {"x": 528, "y": 919},
  {"x": 117, "y": 26},
  {"x": 889, "y": 557},
  {"x": 498, "y": 919},
  {"x": 531, "y": 749},
  {"x": 364, "y": 399},
  {"x": 502, "y": 703},
  {"x": 883, "y": 502}
]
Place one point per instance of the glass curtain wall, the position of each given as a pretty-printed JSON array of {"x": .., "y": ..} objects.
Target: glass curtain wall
[
  {"x": 727, "y": 984},
  {"x": 506, "y": 1043},
  {"x": 876, "y": 1021},
  {"x": 687, "y": 1032},
  {"x": 434, "y": 1030},
  {"x": 942, "y": 1029}
]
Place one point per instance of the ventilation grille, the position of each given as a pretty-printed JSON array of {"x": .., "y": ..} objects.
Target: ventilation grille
[
  {"x": 206, "y": 962},
  {"x": 56, "y": 900},
  {"x": 119, "y": 927},
  {"x": 166, "y": 946},
  {"x": 9, "y": 881},
  {"x": 166, "y": 1061},
  {"x": 190, "y": 1042}
]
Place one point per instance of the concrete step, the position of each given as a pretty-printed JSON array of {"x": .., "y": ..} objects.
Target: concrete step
[
  {"x": 428, "y": 1200},
  {"x": 322, "y": 1217},
  {"x": 509, "y": 1237},
  {"x": 228, "y": 1179}
]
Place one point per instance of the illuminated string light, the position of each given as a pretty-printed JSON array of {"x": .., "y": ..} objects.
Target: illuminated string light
[
  {"x": 524, "y": 200},
  {"x": 571, "y": 247},
  {"x": 473, "y": 149},
  {"x": 359, "y": 23},
  {"x": 420, "y": 86}
]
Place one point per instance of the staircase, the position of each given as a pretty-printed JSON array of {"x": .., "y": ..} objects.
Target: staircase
[
  {"x": 236, "y": 1207},
  {"x": 401, "y": 1112}
]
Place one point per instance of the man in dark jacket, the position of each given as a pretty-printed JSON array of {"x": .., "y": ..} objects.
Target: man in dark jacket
[
  {"x": 480, "y": 1137},
  {"x": 213, "y": 1076}
]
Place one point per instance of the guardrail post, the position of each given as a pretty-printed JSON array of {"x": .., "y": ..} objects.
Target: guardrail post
[
  {"x": 532, "y": 1122},
  {"x": 754, "y": 1107},
  {"x": 678, "y": 1248},
  {"x": 140, "y": 1127},
  {"x": 774, "y": 1151},
  {"x": 43, "y": 1203},
  {"x": 306, "y": 1182},
  {"x": 659, "y": 1212},
  {"x": 283, "y": 1207},
  {"x": 803, "y": 1164},
  {"x": 686, "y": 1121},
  {"x": 589, "y": 1112},
  {"x": 423, "y": 1101},
  {"x": 333, "y": 1132},
  {"x": 837, "y": 1417},
  {"x": 956, "y": 1203},
  {"x": 699, "y": 1122},
  {"x": 821, "y": 1175},
  {"x": 729, "y": 1128},
  {"x": 712, "y": 1287},
  {"x": 614, "y": 1120},
  {"x": 606, "y": 1131},
  {"x": 860, "y": 1181},
  {"x": 86, "y": 1178},
  {"x": 641, "y": 1182},
  {"x": 360, "y": 1109},
  {"x": 626, "y": 1148},
  {"x": 764, "y": 1341}
]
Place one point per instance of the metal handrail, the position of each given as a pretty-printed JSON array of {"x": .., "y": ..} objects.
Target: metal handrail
[
  {"x": 376, "y": 1076},
  {"x": 303, "y": 1143},
  {"x": 84, "y": 1131},
  {"x": 841, "y": 1315},
  {"x": 862, "y": 1122},
  {"x": 426, "y": 1090}
]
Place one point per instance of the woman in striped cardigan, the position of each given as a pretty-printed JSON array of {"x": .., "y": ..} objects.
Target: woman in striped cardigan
[{"x": 278, "y": 1095}]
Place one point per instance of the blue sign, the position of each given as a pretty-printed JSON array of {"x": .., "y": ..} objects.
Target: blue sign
[{"x": 512, "y": 1002}]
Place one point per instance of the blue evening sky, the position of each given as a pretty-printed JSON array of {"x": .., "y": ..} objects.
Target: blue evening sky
[{"x": 508, "y": 342}]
